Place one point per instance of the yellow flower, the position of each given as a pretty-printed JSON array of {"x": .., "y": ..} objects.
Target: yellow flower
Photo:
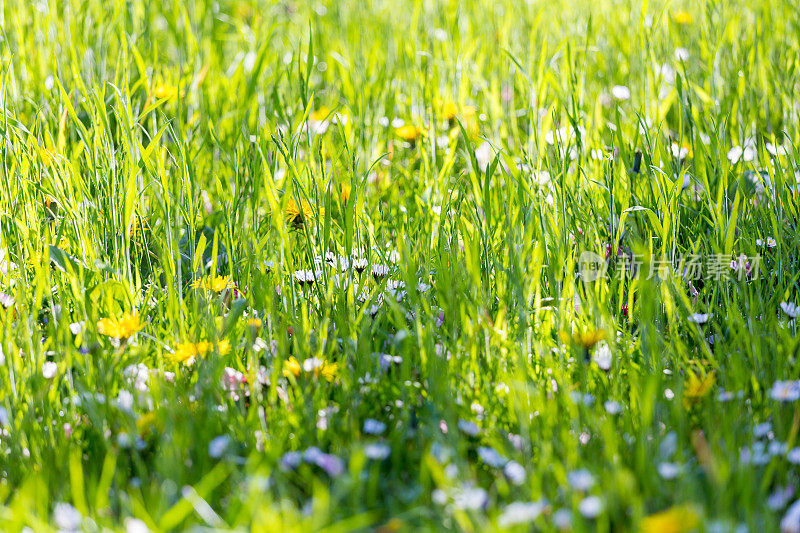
[
  {"x": 682, "y": 17},
  {"x": 254, "y": 323},
  {"x": 291, "y": 367},
  {"x": 697, "y": 387},
  {"x": 162, "y": 91},
  {"x": 120, "y": 328},
  {"x": 586, "y": 339},
  {"x": 320, "y": 114},
  {"x": 216, "y": 284},
  {"x": 327, "y": 371},
  {"x": 346, "y": 192},
  {"x": 187, "y": 352},
  {"x": 296, "y": 215},
  {"x": 678, "y": 519},
  {"x": 450, "y": 110},
  {"x": 408, "y": 133}
]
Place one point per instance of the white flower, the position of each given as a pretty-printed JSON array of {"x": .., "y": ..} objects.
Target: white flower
[
  {"x": 374, "y": 427},
  {"x": 76, "y": 327},
  {"x": 377, "y": 451},
  {"x": 669, "y": 470},
  {"x": 790, "y": 309},
  {"x": 681, "y": 54},
  {"x": 602, "y": 356},
  {"x": 218, "y": 445},
  {"x": 491, "y": 457},
  {"x": 484, "y": 155},
  {"x": 49, "y": 369},
  {"x": 591, "y": 506},
  {"x": 785, "y": 391},
  {"x": 735, "y": 154},
  {"x": 620, "y": 92},
  {"x": 134, "y": 525},
  {"x": 469, "y": 427},
  {"x": 793, "y": 456},
  {"x": 470, "y": 498},
  {"x": 580, "y": 479},
  {"x": 515, "y": 472},
  {"x": 698, "y": 318},
  {"x": 612, "y": 407},
  {"x": 791, "y": 520},
  {"x": 562, "y": 519},
  {"x": 66, "y": 517},
  {"x": 520, "y": 513},
  {"x": 678, "y": 151},
  {"x": 125, "y": 400}
]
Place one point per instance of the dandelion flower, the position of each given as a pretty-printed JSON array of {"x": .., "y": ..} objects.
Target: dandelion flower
[
  {"x": 682, "y": 17},
  {"x": 215, "y": 284},
  {"x": 297, "y": 215},
  {"x": 120, "y": 328},
  {"x": 697, "y": 387},
  {"x": 408, "y": 133},
  {"x": 678, "y": 519}
]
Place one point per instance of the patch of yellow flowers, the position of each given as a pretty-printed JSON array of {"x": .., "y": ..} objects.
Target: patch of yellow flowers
[
  {"x": 186, "y": 353},
  {"x": 215, "y": 284},
  {"x": 120, "y": 328}
]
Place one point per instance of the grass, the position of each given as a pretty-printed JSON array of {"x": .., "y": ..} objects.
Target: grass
[{"x": 275, "y": 265}]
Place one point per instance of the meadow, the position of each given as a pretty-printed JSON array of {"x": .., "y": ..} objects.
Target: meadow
[{"x": 397, "y": 266}]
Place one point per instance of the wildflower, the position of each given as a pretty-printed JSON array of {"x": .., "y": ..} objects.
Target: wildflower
[
  {"x": 379, "y": 271},
  {"x": 581, "y": 480},
  {"x": 408, "y": 133},
  {"x": 602, "y": 356},
  {"x": 678, "y": 519},
  {"x": 517, "y": 513},
  {"x": 515, "y": 472},
  {"x": 377, "y": 451},
  {"x": 120, "y": 328},
  {"x": 450, "y": 111},
  {"x": 318, "y": 120},
  {"x": 297, "y": 215},
  {"x": 621, "y": 93},
  {"x": 345, "y": 193},
  {"x": 66, "y": 517},
  {"x": 321, "y": 368},
  {"x": 254, "y": 322},
  {"x": 215, "y": 284},
  {"x": 306, "y": 277},
  {"x": 562, "y": 519},
  {"x": 470, "y": 498},
  {"x": 166, "y": 91},
  {"x": 587, "y": 339},
  {"x": 49, "y": 369},
  {"x": 374, "y": 427},
  {"x": 359, "y": 265},
  {"x": 491, "y": 457},
  {"x": 188, "y": 352},
  {"x": 682, "y": 17},
  {"x": 669, "y": 470},
  {"x": 769, "y": 243},
  {"x": 218, "y": 445},
  {"x": 785, "y": 391},
  {"x": 591, "y": 506},
  {"x": 697, "y": 387},
  {"x": 469, "y": 427},
  {"x": 790, "y": 309},
  {"x": 698, "y": 318}
]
